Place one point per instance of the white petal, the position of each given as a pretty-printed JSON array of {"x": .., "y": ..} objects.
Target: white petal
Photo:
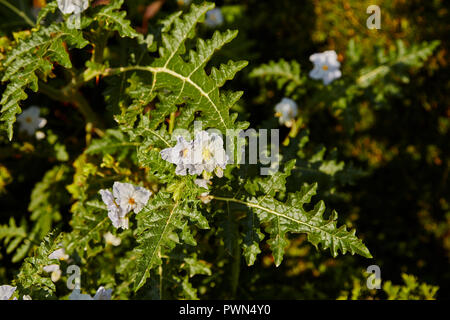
[
  {"x": 77, "y": 295},
  {"x": 59, "y": 254},
  {"x": 103, "y": 294},
  {"x": 51, "y": 268},
  {"x": 6, "y": 292}
]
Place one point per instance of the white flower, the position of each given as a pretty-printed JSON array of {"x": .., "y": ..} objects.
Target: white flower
[
  {"x": 112, "y": 239},
  {"x": 40, "y": 135},
  {"x": 209, "y": 154},
  {"x": 180, "y": 154},
  {"x": 54, "y": 270},
  {"x": 130, "y": 197},
  {"x": 59, "y": 254},
  {"x": 326, "y": 66},
  {"x": 101, "y": 294},
  {"x": 205, "y": 197},
  {"x": 72, "y": 6},
  {"x": 214, "y": 18},
  {"x": 124, "y": 198},
  {"x": 203, "y": 183},
  {"x": 204, "y": 153},
  {"x": 30, "y": 121},
  {"x": 77, "y": 295},
  {"x": 26, "y": 297},
  {"x": 286, "y": 110},
  {"x": 6, "y": 292},
  {"x": 115, "y": 213}
]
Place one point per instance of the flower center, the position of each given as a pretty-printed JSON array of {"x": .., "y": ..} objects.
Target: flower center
[
  {"x": 131, "y": 201},
  {"x": 206, "y": 154},
  {"x": 185, "y": 152},
  {"x": 325, "y": 67},
  {"x": 28, "y": 120}
]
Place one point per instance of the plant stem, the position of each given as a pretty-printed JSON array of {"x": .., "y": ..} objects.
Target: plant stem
[
  {"x": 171, "y": 122},
  {"x": 75, "y": 98},
  {"x": 18, "y": 12},
  {"x": 160, "y": 271},
  {"x": 236, "y": 265}
]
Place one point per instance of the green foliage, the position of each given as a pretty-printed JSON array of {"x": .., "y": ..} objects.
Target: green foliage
[
  {"x": 286, "y": 75},
  {"x": 33, "y": 58},
  {"x": 117, "y": 94},
  {"x": 32, "y": 280},
  {"x": 411, "y": 290}
]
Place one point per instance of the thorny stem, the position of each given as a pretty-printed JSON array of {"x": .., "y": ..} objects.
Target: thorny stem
[
  {"x": 236, "y": 262},
  {"x": 75, "y": 97}
]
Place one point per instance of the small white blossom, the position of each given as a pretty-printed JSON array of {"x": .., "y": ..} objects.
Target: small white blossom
[
  {"x": 204, "y": 153},
  {"x": 40, "y": 135},
  {"x": 214, "y": 18},
  {"x": 203, "y": 183},
  {"x": 59, "y": 254},
  {"x": 30, "y": 121},
  {"x": 77, "y": 295},
  {"x": 101, "y": 294},
  {"x": 286, "y": 110},
  {"x": 130, "y": 197},
  {"x": 26, "y": 297},
  {"x": 180, "y": 155},
  {"x": 209, "y": 154},
  {"x": 326, "y": 66},
  {"x": 112, "y": 239},
  {"x": 205, "y": 197},
  {"x": 124, "y": 198},
  {"x": 72, "y": 6},
  {"x": 115, "y": 213},
  {"x": 6, "y": 292},
  {"x": 54, "y": 270}
]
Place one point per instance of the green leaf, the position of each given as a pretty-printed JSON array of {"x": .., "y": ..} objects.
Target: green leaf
[
  {"x": 285, "y": 74},
  {"x": 31, "y": 278},
  {"x": 33, "y": 55},
  {"x": 178, "y": 78},
  {"x": 290, "y": 216},
  {"x": 115, "y": 20},
  {"x": 156, "y": 224}
]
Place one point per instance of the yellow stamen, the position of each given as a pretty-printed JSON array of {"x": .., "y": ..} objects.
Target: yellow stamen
[
  {"x": 28, "y": 120},
  {"x": 131, "y": 201},
  {"x": 206, "y": 154},
  {"x": 185, "y": 152},
  {"x": 325, "y": 67},
  {"x": 278, "y": 114}
]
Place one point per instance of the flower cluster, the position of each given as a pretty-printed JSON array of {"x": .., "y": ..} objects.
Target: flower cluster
[
  {"x": 326, "y": 66},
  {"x": 204, "y": 153},
  {"x": 286, "y": 110},
  {"x": 124, "y": 198},
  {"x": 53, "y": 269}
]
